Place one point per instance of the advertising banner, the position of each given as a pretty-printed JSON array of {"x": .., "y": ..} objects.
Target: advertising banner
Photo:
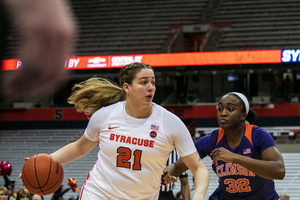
[{"x": 171, "y": 59}]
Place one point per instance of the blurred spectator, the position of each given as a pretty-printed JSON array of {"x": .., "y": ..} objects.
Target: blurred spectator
[
  {"x": 37, "y": 197},
  {"x": 274, "y": 89},
  {"x": 58, "y": 194},
  {"x": 287, "y": 86},
  {"x": 23, "y": 194},
  {"x": 10, "y": 185},
  {"x": 3, "y": 193}
]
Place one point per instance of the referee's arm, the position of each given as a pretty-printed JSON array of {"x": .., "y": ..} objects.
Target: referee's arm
[{"x": 185, "y": 188}]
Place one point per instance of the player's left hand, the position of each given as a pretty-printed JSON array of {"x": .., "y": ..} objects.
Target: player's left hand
[{"x": 222, "y": 154}]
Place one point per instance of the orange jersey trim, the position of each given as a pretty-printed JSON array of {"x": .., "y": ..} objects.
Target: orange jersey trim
[
  {"x": 248, "y": 133},
  {"x": 220, "y": 135}
]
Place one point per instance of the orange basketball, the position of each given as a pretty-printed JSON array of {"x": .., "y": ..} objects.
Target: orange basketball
[{"x": 42, "y": 175}]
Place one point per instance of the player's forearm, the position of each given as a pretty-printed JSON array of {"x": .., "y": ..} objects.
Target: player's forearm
[
  {"x": 68, "y": 153},
  {"x": 263, "y": 168},
  {"x": 201, "y": 177},
  {"x": 74, "y": 150},
  {"x": 177, "y": 168}
]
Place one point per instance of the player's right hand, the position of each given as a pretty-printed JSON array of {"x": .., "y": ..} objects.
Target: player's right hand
[{"x": 166, "y": 178}]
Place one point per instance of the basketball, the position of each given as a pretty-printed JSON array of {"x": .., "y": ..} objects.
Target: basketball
[{"x": 42, "y": 174}]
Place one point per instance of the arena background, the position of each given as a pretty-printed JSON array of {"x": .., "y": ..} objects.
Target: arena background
[{"x": 200, "y": 49}]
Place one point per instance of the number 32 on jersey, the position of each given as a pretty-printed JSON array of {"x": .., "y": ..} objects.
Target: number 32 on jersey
[
  {"x": 239, "y": 185},
  {"x": 125, "y": 155}
]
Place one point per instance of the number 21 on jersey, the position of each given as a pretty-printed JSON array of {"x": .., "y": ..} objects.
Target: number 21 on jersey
[{"x": 125, "y": 155}]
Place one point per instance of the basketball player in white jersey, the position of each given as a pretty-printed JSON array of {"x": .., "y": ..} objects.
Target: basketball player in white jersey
[{"x": 135, "y": 137}]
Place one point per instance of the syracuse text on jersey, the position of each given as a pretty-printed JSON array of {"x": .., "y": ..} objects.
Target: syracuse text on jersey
[
  {"x": 132, "y": 140},
  {"x": 232, "y": 169}
]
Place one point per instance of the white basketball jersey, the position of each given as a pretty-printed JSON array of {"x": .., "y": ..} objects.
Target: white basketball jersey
[{"x": 131, "y": 160}]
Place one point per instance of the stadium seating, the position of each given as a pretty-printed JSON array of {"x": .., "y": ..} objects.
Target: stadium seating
[
  {"x": 130, "y": 27},
  {"x": 257, "y": 24},
  {"x": 126, "y": 27}
]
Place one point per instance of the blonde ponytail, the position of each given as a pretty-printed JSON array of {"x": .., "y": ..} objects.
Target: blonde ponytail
[{"x": 95, "y": 93}]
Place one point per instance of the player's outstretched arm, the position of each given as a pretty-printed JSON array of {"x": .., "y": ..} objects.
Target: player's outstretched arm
[{"x": 74, "y": 151}]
